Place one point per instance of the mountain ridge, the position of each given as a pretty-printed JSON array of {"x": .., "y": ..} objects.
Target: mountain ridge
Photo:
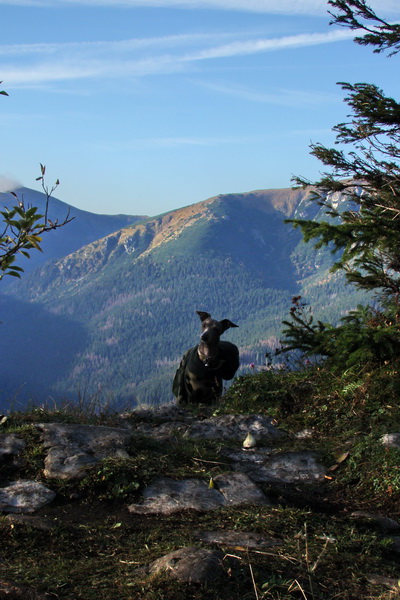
[
  {"x": 126, "y": 302},
  {"x": 83, "y": 229}
]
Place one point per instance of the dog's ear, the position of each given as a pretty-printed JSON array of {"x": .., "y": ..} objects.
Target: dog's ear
[
  {"x": 203, "y": 315},
  {"x": 226, "y": 324}
]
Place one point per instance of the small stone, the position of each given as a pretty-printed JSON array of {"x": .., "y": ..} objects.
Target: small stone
[
  {"x": 193, "y": 565},
  {"x": 250, "y": 441},
  {"x": 304, "y": 434},
  {"x": 391, "y": 440}
]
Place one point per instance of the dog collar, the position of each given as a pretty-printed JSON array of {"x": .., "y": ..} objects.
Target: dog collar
[{"x": 206, "y": 360}]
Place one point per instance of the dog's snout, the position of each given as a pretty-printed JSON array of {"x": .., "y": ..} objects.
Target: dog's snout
[
  {"x": 210, "y": 335},
  {"x": 205, "y": 336}
]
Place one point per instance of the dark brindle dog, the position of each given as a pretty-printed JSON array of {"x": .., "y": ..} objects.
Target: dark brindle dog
[{"x": 202, "y": 368}]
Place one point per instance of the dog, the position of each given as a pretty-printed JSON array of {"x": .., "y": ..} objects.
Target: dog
[{"x": 198, "y": 379}]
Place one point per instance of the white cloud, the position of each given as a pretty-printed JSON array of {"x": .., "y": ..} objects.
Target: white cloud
[
  {"x": 289, "y": 7},
  {"x": 280, "y": 97},
  {"x": 8, "y": 184},
  {"x": 38, "y": 64},
  {"x": 264, "y": 45},
  {"x": 120, "y": 46}
]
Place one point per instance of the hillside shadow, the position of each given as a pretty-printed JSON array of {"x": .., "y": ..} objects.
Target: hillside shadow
[{"x": 38, "y": 348}]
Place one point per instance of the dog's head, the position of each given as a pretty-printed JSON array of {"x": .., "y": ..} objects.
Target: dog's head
[{"x": 211, "y": 330}]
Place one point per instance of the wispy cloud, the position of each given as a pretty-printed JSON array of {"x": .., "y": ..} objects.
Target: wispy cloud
[
  {"x": 38, "y": 64},
  {"x": 264, "y": 45},
  {"x": 176, "y": 142},
  {"x": 288, "y": 7},
  {"x": 281, "y": 97},
  {"x": 260, "y": 6},
  {"x": 119, "y": 46}
]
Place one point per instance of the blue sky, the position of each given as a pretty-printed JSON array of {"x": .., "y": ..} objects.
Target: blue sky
[{"x": 143, "y": 106}]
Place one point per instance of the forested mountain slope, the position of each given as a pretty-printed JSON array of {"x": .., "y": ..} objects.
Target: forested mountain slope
[{"x": 115, "y": 316}]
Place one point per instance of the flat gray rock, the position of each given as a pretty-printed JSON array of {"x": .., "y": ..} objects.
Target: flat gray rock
[
  {"x": 72, "y": 448},
  {"x": 193, "y": 565},
  {"x": 238, "y": 488},
  {"x": 24, "y": 496},
  {"x": 34, "y": 521},
  {"x": 11, "y": 444},
  {"x": 237, "y": 539},
  {"x": 223, "y": 427},
  {"x": 235, "y": 427},
  {"x": 166, "y": 495},
  {"x": 264, "y": 466}
]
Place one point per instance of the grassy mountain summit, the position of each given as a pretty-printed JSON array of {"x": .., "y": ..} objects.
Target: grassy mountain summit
[{"x": 115, "y": 316}]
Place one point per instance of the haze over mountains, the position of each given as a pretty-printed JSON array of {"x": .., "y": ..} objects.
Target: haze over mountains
[{"x": 112, "y": 309}]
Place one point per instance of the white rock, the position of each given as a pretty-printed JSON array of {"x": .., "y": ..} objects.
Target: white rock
[{"x": 24, "y": 496}]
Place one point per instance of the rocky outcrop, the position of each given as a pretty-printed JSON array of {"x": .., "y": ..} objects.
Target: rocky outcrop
[{"x": 72, "y": 448}]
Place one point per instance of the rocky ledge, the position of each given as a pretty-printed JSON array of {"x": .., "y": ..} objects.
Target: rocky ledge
[{"x": 252, "y": 458}]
